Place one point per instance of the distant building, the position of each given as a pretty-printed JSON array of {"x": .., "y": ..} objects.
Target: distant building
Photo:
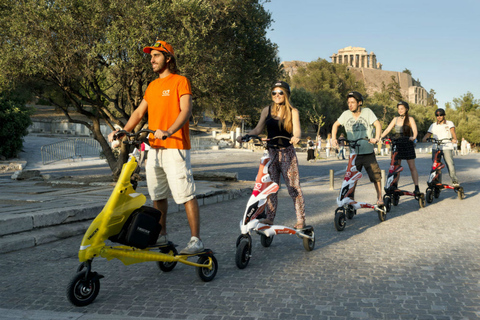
[{"x": 366, "y": 67}]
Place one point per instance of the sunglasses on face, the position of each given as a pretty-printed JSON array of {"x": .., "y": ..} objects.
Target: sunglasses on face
[
  {"x": 159, "y": 44},
  {"x": 439, "y": 115},
  {"x": 274, "y": 93}
]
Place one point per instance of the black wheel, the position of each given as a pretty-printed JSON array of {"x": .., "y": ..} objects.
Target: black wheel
[
  {"x": 242, "y": 256},
  {"x": 395, "y": 199},
  {"x": 461, "y": 194},
  {"x": 309, "y": 244},
  {"x": 429, "y": 195},
  {"x": 436, "y": 193},
  {"x": 387, "y": 201},
  {"x": 204, "y": 273},
  {"x": 266, "y": 241},
  {"x": 340, "y": 220},
  {"x": 167, "y": 266},
  {"x": 81, "y": 291},
  {"x": 382, "y": 215},
  {"x": 421, "y": 200},
  {"x": 350, "y": 212}
]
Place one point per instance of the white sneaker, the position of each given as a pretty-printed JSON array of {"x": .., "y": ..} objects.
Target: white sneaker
[
  {"x": 195, "y": 245},
  {"x": 456, "y": 184},
  {"x": 162, "y": 240}
]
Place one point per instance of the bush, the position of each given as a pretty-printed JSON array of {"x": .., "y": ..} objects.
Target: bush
[{"x": 15, "y": 119}]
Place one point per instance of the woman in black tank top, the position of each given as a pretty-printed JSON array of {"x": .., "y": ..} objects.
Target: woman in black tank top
[{"x": 281, "y": 119}]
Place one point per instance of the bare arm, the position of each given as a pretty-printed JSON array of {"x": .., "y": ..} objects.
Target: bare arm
[
  {"x": 454, "y": 135},
  {"x": 260, "y": 125},
  {"x": 334, "y": 133},
  {"x": 426, "y": 136},
  {"x": 413, "y": 124},
  {"x": 378, "y": 132},
  {"x": 186, "y": 106},
  {"x": 297, "y": 130},
  {"x": 135, "y": 118},
  {"x": 389, "y": 128}
]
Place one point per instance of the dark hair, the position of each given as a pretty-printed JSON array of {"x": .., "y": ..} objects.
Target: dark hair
[
  {"x": 172, "y": 63},
  {"x": 441, "y": 111},
  {"x": 407, "y": 128}
]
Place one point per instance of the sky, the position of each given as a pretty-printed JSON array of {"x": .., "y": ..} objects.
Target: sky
[{"x": 437, "y": 40}]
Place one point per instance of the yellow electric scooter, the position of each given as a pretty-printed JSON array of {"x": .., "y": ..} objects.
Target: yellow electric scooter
[{"x": 126, "y": 221}]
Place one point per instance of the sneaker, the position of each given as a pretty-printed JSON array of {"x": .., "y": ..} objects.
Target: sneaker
[
  {"x": 162, "y": 240},
  {"x": 195, "y": 245},
  {"x": 456, "y": 184}
]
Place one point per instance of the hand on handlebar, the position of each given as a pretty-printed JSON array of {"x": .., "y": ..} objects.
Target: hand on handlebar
[{"x": 162, "y": 135}]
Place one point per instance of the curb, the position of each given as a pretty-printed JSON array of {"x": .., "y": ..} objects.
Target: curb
[{"x": 20, "y": 231}]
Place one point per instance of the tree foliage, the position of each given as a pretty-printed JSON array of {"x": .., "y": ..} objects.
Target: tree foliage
[
  {"x": 86, "y": 55},
  {"x": 15, "y": 119},
  {"x": 328, "y": 85}
]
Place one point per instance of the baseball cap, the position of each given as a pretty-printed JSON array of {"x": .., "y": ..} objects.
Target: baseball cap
[
  {"x": 160, "y": 46},
  {"x": 282, "y": 84}
]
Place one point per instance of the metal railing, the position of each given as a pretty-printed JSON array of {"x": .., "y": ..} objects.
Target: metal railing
[{"x": 70, "y": 149}]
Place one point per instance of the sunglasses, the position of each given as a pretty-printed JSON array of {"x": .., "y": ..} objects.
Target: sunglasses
[
  {"x": 439, "y": 115},
  {"x": 159, "y": 44},
  {"x": 274, "y": 93}
]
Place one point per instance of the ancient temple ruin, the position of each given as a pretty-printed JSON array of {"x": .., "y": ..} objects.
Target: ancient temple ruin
[{"x": 356, "y": 57}]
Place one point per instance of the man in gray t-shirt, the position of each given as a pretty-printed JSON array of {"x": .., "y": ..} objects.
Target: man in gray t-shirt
[{"x": 362, "y": 123}]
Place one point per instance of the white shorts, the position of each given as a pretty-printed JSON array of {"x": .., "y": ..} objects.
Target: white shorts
[{"x": 168, "y": 172}]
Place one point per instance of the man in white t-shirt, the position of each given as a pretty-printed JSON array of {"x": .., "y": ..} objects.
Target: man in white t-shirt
[{"x": 444, "y": 129}]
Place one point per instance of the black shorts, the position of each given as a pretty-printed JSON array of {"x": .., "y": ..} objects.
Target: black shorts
[
  {"x": 371, "y": 166},
  {"x": 405, "y": 149}
]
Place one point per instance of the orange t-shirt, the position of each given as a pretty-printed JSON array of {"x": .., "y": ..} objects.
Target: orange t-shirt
[{"x": 163, "y": 98}]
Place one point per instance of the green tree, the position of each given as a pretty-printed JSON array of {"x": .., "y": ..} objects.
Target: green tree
[
  {"x": 88, "y": 54},
  {"x": 431, "y": 100},
  {"x": 15, "y": 119},
  {"x": 329, "y": 84}
]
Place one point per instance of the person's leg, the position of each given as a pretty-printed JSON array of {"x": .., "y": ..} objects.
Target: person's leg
[
  {"x": 162, "y": 205},
  {"x": 274, "y": 171},
  {"x": 193, "y": 216},
  {"x": 448, "y": 156},
  {"x": 289, "y": 168},
  {"x": 413, "y": 172}
]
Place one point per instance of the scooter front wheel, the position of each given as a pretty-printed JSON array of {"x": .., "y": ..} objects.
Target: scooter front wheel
[
  {"x": 204, "y": 273},
  {"x": 168, "y": 266},
  {"x": 309, "y": 244},
  {"x": 243, "y": 254},
  {"x": 340, "y": 220},
  {"x": 82, "y": 290}
]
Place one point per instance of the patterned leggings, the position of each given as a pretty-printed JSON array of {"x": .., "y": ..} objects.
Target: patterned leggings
[{"x": 284, "y": 161}]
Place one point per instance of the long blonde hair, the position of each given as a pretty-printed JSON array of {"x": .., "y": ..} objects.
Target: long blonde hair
[{"x": 286, "y": 111}]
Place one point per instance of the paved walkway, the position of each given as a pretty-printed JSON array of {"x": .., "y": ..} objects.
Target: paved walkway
[{"x": 418, "y": 264}]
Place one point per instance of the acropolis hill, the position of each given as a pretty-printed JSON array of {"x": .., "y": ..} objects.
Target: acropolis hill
[{"x": 365, "y": 67}]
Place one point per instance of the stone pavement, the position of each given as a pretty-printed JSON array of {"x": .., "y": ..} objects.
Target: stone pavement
[{"x": 418, "y": 264}]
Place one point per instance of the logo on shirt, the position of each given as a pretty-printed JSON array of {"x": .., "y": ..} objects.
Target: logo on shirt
[{"x": 166, "y": 93}]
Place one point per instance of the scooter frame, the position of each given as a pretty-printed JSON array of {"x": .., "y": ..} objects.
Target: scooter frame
[
  {"x": 434, "y": 182},
  {"x": 392, "y": 193},
  {"x": 347, "y": 207},
  {"x": 255, "y": 210},
  {"x": 85, "y": 285}
]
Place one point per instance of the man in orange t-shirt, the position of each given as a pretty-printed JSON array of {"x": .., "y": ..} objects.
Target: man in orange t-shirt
[{"x": 168, "y": 101}]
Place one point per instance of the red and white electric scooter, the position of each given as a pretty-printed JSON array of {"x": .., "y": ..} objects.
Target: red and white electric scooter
[
  {"x": 255, "y": 211},
  {"x": 347, "y": 206}
]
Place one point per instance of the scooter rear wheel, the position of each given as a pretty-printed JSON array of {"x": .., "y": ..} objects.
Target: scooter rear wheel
[
  {"x": 340, "y": 220},
  {"x": 350, "y": 212},
  {"x": 82, "y": 291},
  {"x": 388, "y": 202},
  {"x": 168, "y": 266},
  {"x": 395, "y": 199},
  {"x": 242, "y": 256},
  {"x": 429, "y": 195},
  {"x": 436, "y": 193},
  {"x": 461, "y": 193},
  {"x": 421, "y": 200},
  {"x": 204, "y": 273},
  {"x": 266, "y": 241}
]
